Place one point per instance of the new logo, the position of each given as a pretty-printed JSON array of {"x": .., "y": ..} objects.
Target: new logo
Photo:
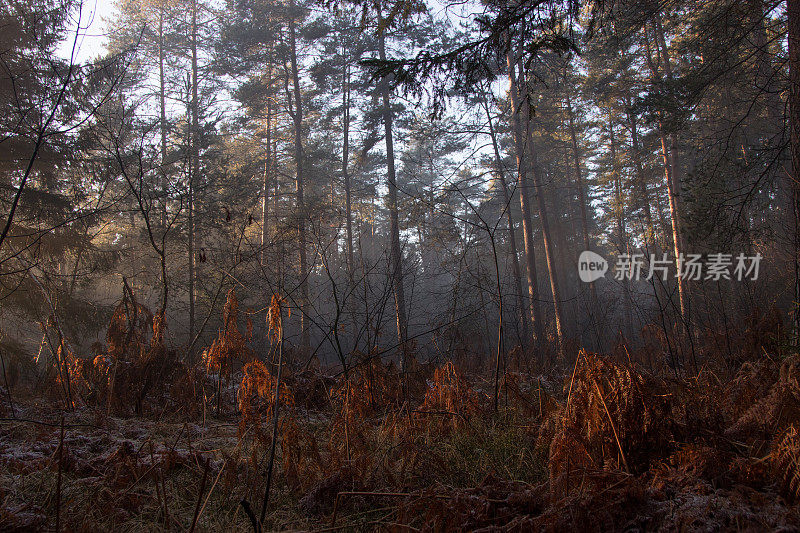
[{"x": 591, "y": 266}]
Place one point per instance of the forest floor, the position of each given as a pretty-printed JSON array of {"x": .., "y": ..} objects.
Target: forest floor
[{"x": 611, "y": 447}]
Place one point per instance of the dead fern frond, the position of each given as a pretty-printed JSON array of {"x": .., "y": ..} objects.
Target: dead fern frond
[
  {"x": 135, "y": 363},
  {"x": 776, "y": 411},
  {"x": 449, "y": 401},
  {"x": 786, "y": 464},
  {"x": 302, "y": 463},
  {"x": 274, "y": 316},
  {"x": 256, "y": 398},
  {"x": 230, "y": 346},
  {"x": 614, "y": 418}
]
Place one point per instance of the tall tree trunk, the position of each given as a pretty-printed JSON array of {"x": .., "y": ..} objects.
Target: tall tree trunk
[
  {"x": 267, "y": 173},
  {"x": 641, "y": 181},
  {"x": 163, "y": 123},
  {"x": 518, "y": 288},
  {"x": 524, "y": 191},
  {"x": 673, "y": 179},
  {"x": 396, "y": 258},
  {"x": 669, "y": 159},
  {"x": 543, "y": 218},
  {"x": 622, "y": 234},
  {"x": 793, "y": 12},
  {"x": 194, "y": 172},
  {"x": 348, "y": 200},
  {"x": 163, "y": 126},
  {"x": 298, "y": 158},
  {"x": 582, "y": 198},
  {"x": 345, "y": 174},
  {"x": 765, "y": 71}
]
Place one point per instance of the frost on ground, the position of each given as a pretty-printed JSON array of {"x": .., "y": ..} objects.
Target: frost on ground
[{"x": 613, "y": 448}]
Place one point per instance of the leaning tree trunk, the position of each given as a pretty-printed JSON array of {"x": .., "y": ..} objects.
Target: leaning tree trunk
[
  {"x": 673, "y": 181},
  {"x": 669, "y": 160}
]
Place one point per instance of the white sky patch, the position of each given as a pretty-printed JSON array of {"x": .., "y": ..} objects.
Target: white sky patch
[{"x": 92, "y": 28}]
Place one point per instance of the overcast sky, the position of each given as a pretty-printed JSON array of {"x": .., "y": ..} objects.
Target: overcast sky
[{"x": 93, "y": 30}]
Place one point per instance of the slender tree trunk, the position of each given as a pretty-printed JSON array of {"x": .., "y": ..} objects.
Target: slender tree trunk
[
  {"x": 524, "y": 191},
  {"x": 543, "y": 218},
  {"x": 670, "y": 165},
  {"x": 518, "y": 287},
  {"x": 267, "y": 174},
  {"x": 276, "y": 218},
  {"x": 348, "y": 200},
  {"x": 194, "y": 171},
  {"x": 345, "y": 174},
  {"x": 395, "y": 252},
  {"x": 641, "y": 181},
  {"x": 162, "y": 252},
  {"x": 582, "y": 198},
  {"x": 764, "y": 68},
  {"x": 793, "y": 12},
  {"x": 622, "y": 234},
  {"x": 163, "y": 123},
  {"x": 673, "y": 179},
  {"x": 301, "y": 214}
]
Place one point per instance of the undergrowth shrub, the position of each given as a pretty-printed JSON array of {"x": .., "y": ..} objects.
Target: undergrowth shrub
[
  {"x": 449, "y": 402},
  {"x": 135, "y": 363},
  {"x": 301, "y": 460},
  {"x": 230, "y": 347}
]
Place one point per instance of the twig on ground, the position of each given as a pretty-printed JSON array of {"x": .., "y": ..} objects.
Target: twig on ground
[{"x": 200, "y": 496}]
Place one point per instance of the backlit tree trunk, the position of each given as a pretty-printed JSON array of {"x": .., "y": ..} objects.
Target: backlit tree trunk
[
  {"x": 669, "y": 159},
  {"x": 674, "y": 181}
]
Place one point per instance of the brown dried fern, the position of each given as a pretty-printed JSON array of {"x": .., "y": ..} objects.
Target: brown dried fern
[
  {"x": 614, "y": 418},
  {"x": 785, "y": 460}
]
